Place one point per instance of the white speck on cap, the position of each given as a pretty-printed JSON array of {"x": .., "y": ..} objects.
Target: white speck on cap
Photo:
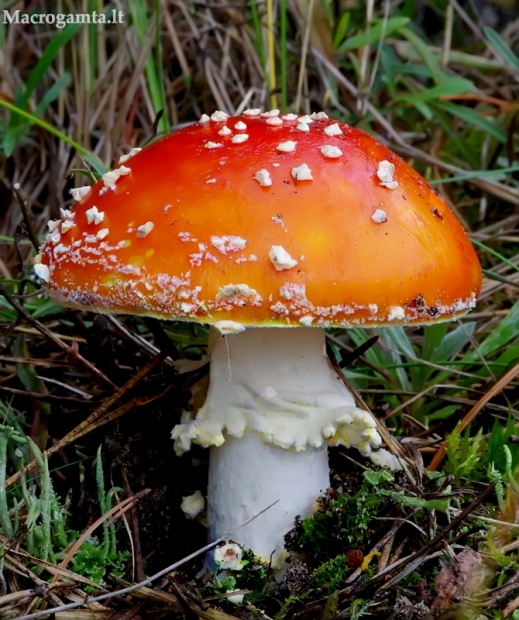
[
  {"x": 306, "y": 321},
  {"x": 286, "y": 147},
  {"x": 263, "y": 178},
  {"x": 396, "y": 313},
  {"x": 278, "y": 219},
  {"x": 379, "y": 217},
  {"x": 42, "y": 271},
  {"x": 93, "y": 215},
  {"x": 66, "y": 214},
  {"x": 333, "y": 130},
  {"x": 53, "y": 224},
  {"x": 209, "y": 181},
  {"x": 331, "y": 152},
  {"x": 229, "y": 291},
  {"x": 276, "y": 164},
  {"x": 129, "y": 155},
  {"x": 204, "y": 118},
  {"x": 252, "y": 112},
  {"x": 229, "y": 327},
  {"x": 219, "y": 116},
  {"x": 270, "y": 113},
  {"x": 145, "y": 229},
  {"x": 111, "y": 177},
  {"x": 212, "y": 145},
  {"x": 78, "y": 193},
  {"x": 101, "y": 234},
  {"x": 319, "y": 116},
  {"x": 280, "y": 258},
  {"x": 385, "y": 173},
  {"x": 225, "y": 131},
  {"x": 302, "y": 173},
  {"x": 239, "y": 138},
  {"x": 305, "y": 119},
  {"x": 303, "y": 127},
  {"x": 290, "y": 117},
  {"x": 240, "y": 126},
  {"x": 274, "y": 121},
  {"x": 228, "y": 243},
  {"x": 37, "y": 258},
  {"x": 61, "y": 249}
]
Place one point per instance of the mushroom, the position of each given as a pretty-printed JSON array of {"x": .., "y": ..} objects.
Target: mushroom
[{"x": 286, "y": 229}]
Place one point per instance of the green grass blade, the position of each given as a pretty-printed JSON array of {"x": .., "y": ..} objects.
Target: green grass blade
[
  {"x": 453, "y": 86},
  {"x": 471, "y": 117},
  {"x": 256, "y": 23},
  {"x": 425, "y": 54},
  {"x": 374, "y": 33},
  {"x": 57, "y": 42},
  {"x": 501, "y": 336},
  {"x": 496, "y": 175},
  {"x": 496, "y": 254},
  {"x": 139, "y": 14},
  {"x": 90, "y": 157},
  {"x": 52, "y": 94},
  {"x": 341, "y": 30},
  {"x": 501, "y": 48}
]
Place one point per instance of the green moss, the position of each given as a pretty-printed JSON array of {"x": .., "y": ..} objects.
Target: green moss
[{"x": 332, "y": 574}]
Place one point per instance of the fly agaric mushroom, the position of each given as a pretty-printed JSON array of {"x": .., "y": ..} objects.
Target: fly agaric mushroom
[{"x": 273, "y": 222}]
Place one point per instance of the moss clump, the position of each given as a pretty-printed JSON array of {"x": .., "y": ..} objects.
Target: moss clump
[{"x": 342, "y": 522}]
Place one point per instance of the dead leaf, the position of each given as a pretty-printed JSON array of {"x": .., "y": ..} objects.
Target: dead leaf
[{"x": 457, "y": 580}]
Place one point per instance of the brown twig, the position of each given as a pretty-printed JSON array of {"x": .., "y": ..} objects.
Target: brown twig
[{"x": 27, "y": 219}]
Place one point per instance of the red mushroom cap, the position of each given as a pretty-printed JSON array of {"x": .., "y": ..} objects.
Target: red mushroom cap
[{"x": 264, "y": 220}]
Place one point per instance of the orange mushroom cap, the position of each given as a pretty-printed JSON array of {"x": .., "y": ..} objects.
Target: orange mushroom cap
[{"x": 264, "y": 220}]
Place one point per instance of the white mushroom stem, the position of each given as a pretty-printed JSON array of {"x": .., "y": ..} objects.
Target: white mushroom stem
[
  {"x": 247, "y": 475},
  {"x": 273, "y": 406}
]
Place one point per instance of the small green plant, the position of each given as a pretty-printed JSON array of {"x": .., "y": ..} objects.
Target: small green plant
[
  {"x": 360, "y": 608},
  {"x": 46, "y": 535},
  {"x": 95, "y": 557},
  {"x": 478, "y": 459}
]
